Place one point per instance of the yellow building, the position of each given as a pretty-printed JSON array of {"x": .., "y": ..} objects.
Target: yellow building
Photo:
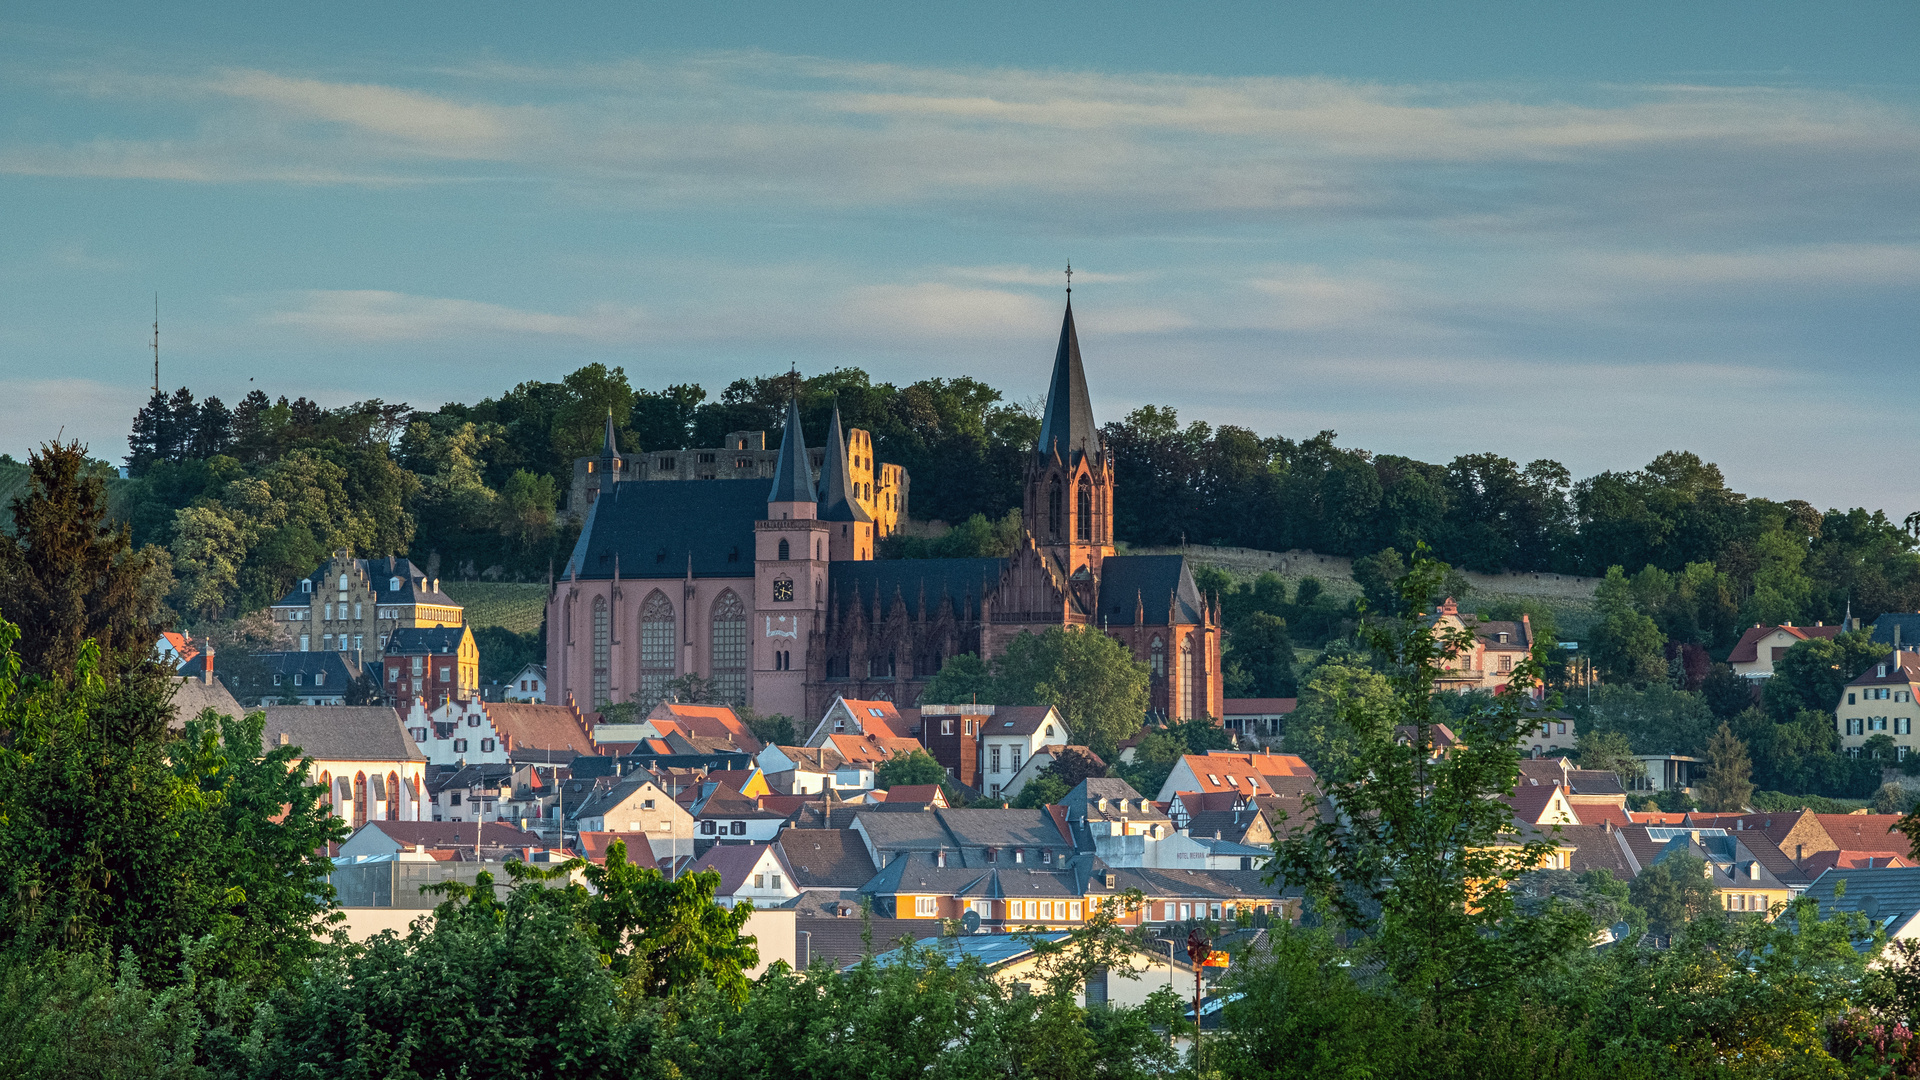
[{"x": 1881, "y": 702}]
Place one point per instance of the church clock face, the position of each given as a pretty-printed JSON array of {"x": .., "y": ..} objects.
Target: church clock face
[{"x": 783, "y": 591}]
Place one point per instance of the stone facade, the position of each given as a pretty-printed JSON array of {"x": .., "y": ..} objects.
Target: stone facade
[{"x": 354, "y": 605}]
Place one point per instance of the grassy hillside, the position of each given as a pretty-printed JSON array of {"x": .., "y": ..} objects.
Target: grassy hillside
[
  {"x": 516, "y": 607},
  {"x": 1569, "y": 598}
]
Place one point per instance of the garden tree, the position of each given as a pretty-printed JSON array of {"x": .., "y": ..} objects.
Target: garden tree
[
  {"x": 659, "y": 937},
  {"x": 1892, "y": 798},
  {"x": 1803, "y": 755},
  {"x": 1673, "y": 891},
  {"x": 1098, "y": 687},
  {"x": 772, "y": 729},
  {"x": 406, "y": 1006},
  {"x": 973, "y": 538},
  {"x": 1342, "y": 712},
  {"x": 114, "y": 839},
  {"x": 1045, "y": 789},
  {"x": 1656, "y": 720},
  {"x": 1814, "y": 673},
  {"x": 1263, "y": 652},
  {"x": 1729, "y": 781},
  {"x": 526, "y": 514},
  {"x": 1726, "y": 691},
  {"x": 1608, "y": 751},
  {"x": 69, "y": 575},
  {"x": 1627, "y": 645},
  {"x": 1074, "y": 764},
  {"x": 1421, "y": 853},
  {"x": 1377, "y": 575},
  {"x": 1595, "y": 892},
  {"x": 916, "y": 767},
  {"x": 962, "y": 680}
]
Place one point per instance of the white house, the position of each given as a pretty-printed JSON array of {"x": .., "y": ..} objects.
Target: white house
[
  {"x": 480, "y": 732},
  {"x": 530, "y": 686},
  {"x": 370, "y": 767},
  {"x": 858, "y": 716},
  {"x": 754, "y": 872},
  {"x": 802, "y": 770},
  {"x": 1013, "y": 734}
]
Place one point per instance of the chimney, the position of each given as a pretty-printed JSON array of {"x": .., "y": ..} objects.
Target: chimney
[{"x": 206, "y": 671}]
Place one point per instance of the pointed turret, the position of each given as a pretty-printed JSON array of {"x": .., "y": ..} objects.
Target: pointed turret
[
  {"x": 793, "y": 475},
  {"x": 611, "y": 448},
  {"x": 837, "y": 501},
  {"x": 1067, "y": 428}
]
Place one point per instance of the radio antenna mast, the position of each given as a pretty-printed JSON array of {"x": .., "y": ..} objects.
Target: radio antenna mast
[{"x": 156, "y": 344}]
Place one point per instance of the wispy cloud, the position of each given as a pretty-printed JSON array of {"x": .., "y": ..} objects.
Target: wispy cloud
[
  {"x": 371, "y": 315},
  {"x": 421, "y": 118}
]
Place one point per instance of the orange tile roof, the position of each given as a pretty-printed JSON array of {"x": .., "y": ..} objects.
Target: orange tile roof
[
  {"x": 1863, "y": 832},
  {"x": 1748, "y": 649},
  {"x": 1852, "y": 860},
  {"x": 539, "y": 727}
]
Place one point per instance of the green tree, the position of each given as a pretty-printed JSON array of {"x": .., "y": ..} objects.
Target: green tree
[
  {"x": 962, "y": 680},
  {"x": 1098, "y": 687},
  {"x": 1343, "y": 710},
  {"x": 68, "y": 575},
  {"x": 1422, "y": 852},
  {"x": 1729, "y": 781},
  {"x": 1627, "y": 644},
  {"x": 1656, "y": 720},
  {"x": 1043, "y": 790},
  {"x": 1814, "y": 673},
  {"x": 1264, "y": 651},
  {"x": 1608, "y": 751},
  {"x": 1673, "y": 891},
  {"x": 1726, "y": 691},
  {"x": 916, "y": 767},
  {"x": 1378, "y": 575}
]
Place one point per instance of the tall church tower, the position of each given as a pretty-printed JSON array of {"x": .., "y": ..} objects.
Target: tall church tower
[
  {"x": 790, "y": 553},
  {"x": 1069, "y": 504}
]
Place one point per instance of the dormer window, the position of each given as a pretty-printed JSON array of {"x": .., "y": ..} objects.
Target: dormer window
[
  {"x": 1503, "y": 639},
  {"x": 393, "y": 584},
  {"x": 306, "y": 586},
  {"x": 1883, "y": 671}
]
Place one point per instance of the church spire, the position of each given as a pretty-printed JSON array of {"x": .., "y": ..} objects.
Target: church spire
[
  {"x": 837, "y": 502},
  {"x": 1068, "y": 427},
  {"x": 793, "y": 474},
  {"x": 611, "y": 448}
]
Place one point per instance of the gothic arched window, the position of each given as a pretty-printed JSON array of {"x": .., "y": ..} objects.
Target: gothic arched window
[
  {"x": 393, "y": 796},
  {"x": 657, "y": 646},
  {"x": 730, "y": 649},
  {"x": 785, "y": 551},
  {"x": 1085, "y": 510},
  {"x": 1158, "y": 651},
  {"x": 1191, "y": 700},
  {"x": 326, "y": 781},
  {"x": 1053, "y": 508},
  {"x": 359, "y": 799},
  {"x": 602, "y": 647}
]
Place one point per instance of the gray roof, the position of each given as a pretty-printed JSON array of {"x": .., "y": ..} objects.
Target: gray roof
[
  {"x": 409, "y": 640},
  {"x": 605, "y": 800},
  {"x": 837, "y": 502},
  {"x": 341, "y": 732},
  {"x": 1908, "y": 623},
  {"x": 1595, "y": 847},
  {"x": 339, "y": 668},
  {"x": 380, "y": 574},
  {"x": 792, "y": 472},
  {"x": 1083, "y": 801},
  {"x": 964, "y": 834},
  {"x": 1021, "y": 720},
  {"x": 1888, "y": 896},
  {"x": 826, "y": 858},
  {"x": 653, "y": 530},
  {"x": 1142, "y": 584},
  {"x": 1595, "y": 782},
  {"x": 1067, "y": 427}
]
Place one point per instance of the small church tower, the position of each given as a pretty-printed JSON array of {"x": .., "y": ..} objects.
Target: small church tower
[
  {"x": 791, "y": 551},
  {"x": 851, "y": 534},
  {"x": 1069, "y": 502}
]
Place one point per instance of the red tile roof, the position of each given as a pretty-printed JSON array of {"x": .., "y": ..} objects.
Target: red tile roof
[
  {"x": 1853, "y": 860},
  {"x": 540, "y": 727},
  {"x": 1864, "y": 832},
  {"x": 712, "y": 721},
  {"x": 1748, "y": 649}
]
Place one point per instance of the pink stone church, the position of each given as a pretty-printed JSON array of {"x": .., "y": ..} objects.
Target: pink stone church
[{"x": 774, "y": 593}]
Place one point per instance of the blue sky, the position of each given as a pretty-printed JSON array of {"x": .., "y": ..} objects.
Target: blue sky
[{"x": 1437, "y": 229}]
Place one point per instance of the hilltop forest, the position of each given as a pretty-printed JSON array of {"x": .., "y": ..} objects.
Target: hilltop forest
[{"x": 243, "y": 500}]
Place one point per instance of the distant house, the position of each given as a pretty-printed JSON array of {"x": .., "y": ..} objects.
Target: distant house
[
  {"x": 1258, "y": 716},
  {"x": 474, "y": 731},
  {"x": 1497, "y": 648},
  {"x": 435, "y": 664},
  {"x": 310, "y": 678},
  {"x": 1881, "y": 701},
  {"x": 192, "y": 694},
  {"x": 1247, "y": 774},
  {"x": 858, "y": 716},
  {"x": 1553, "y": 735},
  {"x": 174, "y": 648},
  {"x": 393, "y": 837},
  {"x": 638, "y": 805},
  {"x": 370, "y": 767},
  {"x": 1014, "y": 962},
  {"x": 529, "y": 686},
  {"x": 355, "y": 605},
  {"x": 753, "y": 872},
  {"x": 828, "y": 861},
  {"x": 1754, "y": 655},
  {"x": 1010, "y": 736},
  {"x": 1042, "y": 760}
]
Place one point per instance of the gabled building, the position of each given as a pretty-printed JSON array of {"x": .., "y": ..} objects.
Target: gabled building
[
  {"x": 1498, "y": 647},
  {"x": 1753, "y": 656},
  {"x": 434, "y": 664},
  {"x": 1009, "y": 736},
  {"x": 1888, "y": 898},
  {"x": 530, "y": 686},
  {"x": 756, "y": 873},
  {"x": 308, "y": 678},
  {"x": 637, "y": 806},
  {"x": 826, "y": 861},
  {"x": 371, "y": 769},
  {"x": 354, "y": 605},
  {"x": 1880, "y": 701},
  {"x": 1249, "y": 774}
]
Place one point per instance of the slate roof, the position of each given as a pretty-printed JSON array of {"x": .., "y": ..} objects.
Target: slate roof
[
  {"x": 1909, "y": 624},
  {"x": 1889, "y": 896},
  {"x": 604, "y": 801},
  {"x": 959, "y": 581},
  {"x": 734, "y": 863},
  {"x": 792, "y": 472},
  {"x": 341, "y": 732},
  {"x": 426, "y": 640},
  {"x": 652, "y": 530},
  {"x": 826, "y": 858},
  {"x": 1020, "y": 720},
  {"x": 1259, "y": 706},
  {"x": 1066, "y": 427},
  {"x": 453, "y": 834},
  {"x": 1083, "y": 802},
  {"x": 837, "y": 502},
  {"x": 380, "y": 574},
  {"x": 1595, "y": 847},
  {"x": 839, "y": 941},
  {"x": 1142, "y": 583},
  {"x": 1901, "y": 669},
  {"x": 338, "y": 667}
]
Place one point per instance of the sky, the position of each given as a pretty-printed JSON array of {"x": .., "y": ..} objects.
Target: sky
[{"x": 1590, "y": 233}]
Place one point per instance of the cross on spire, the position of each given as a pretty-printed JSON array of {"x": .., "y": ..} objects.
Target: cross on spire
[{"x": 1069, "y": 279}]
